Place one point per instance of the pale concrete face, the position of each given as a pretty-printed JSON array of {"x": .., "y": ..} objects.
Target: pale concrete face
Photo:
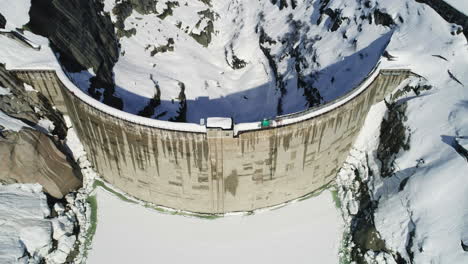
[{"x": 215, "y": 172}]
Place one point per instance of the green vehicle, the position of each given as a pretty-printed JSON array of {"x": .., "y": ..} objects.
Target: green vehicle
[{"x": 265, "y": 123}]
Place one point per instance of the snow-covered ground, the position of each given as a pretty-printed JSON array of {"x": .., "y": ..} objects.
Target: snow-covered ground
[
  {"x": 302, "y": 232},
  {"x": 27, "y": 228},
  {"x": 213, "y": 87},
  {"x": 461, "y": 5},
  {"x": 433, "y": 204},
  {"x": 24, "y": 227},
  {"x": 423, "y": 208}
]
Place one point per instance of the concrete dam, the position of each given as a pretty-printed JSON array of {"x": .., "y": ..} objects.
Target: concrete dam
[{"x": 213, "y": 170}]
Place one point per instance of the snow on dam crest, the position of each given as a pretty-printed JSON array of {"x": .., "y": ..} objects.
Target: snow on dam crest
[{"x": 209, "y": 170}]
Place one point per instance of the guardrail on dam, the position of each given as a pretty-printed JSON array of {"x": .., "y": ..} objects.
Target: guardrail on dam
[{"x": 194, "y": 168}]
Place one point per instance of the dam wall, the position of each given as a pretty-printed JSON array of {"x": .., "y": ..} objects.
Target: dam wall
[{"x": 209, "y": 170}]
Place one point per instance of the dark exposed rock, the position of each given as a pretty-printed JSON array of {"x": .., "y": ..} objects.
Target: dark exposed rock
[
  {"x": 108, "y": 95},
  {"x": 393, "y": 137},
  {"x": 204, "y": 37},
  {"x": 464, "y": 246},
  {"x": 206, "y": 2},
  {"x": 163, "y": 48},
  {"x": 281, "y": 3},
  {"x": 383, "y": 19},
  {"x": 122, "y": 10},
  {"x": 144, "y": 6},
  {"x": 363, "y": 231},
  {"x": 264, "y": 42},
  {"x": 284, "y": 3},
  {"x": 416, "y": 89},
  {"x": 323, "y": 5},
  {"x": 460, "y": 149},
  {"x": 454, "y": 78},
  {"x": 2, "y": 21},
  {"x": 149, "y": 109},
  {"x": 440, "y": 57},
  {"x": 168, "y": 11},
  {"x": 29, "y": 156},
  {"x": 182, "y": 112},
  {"x": 80, "y": 31},
  {"x": 335, "y": 16},
  {"x": 403, "y": 184},
  {"x": 389, "y": 56},
  {"x": 235, "y": 63}
]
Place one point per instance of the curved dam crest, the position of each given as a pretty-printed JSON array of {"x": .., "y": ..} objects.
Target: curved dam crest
[{"x": 213, "y": 170}]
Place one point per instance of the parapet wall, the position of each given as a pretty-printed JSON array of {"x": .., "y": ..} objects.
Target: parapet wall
[{"x": 218, "y": 171}]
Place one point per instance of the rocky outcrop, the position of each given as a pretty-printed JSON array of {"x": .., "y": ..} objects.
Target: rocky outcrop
[
  {"x": 2, "y": 21},
  {"x": 124, "y": 9},
  {"x": 144, "y": 6},
  {"x": 29, "y": 156},
  {"x": 83, "y": 35}
]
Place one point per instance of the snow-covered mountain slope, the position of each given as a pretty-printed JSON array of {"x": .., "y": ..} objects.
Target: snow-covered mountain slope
[
  {"x": 258, "y": 58},
  {"x": 186, "y": 60},
  {"x": 404, "y": 185},
  {"x": 245, "y": 59}
]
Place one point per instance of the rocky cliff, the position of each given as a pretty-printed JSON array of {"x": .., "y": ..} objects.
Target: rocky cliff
[
  {"x": 29, "y": 156},
  {"x": 35, "y": 154},
  {"x": 2, "y": 21},
  {"x": 84, "y": 37}
]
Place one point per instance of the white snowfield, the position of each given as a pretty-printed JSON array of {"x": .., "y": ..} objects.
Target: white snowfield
[
  {"x": 23, "y": 209},
  {"x": 303, "y": 232},
  {"x": 27, "y": 228}
]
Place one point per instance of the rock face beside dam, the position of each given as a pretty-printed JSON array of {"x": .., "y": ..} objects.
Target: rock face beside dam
[
  {"x": 31, "y": 152},
  {"x": 221, "y": 171}
]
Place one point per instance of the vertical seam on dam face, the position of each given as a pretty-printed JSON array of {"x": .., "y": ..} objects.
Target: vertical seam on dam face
[{"x": 217, "y": 171}]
